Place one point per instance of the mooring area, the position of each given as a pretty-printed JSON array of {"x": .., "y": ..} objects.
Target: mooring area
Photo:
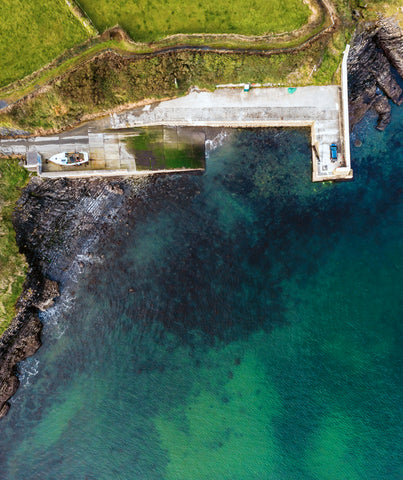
[{"x": 170, "y": 135}]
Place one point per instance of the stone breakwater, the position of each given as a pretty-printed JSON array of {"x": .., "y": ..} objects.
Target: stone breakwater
[
  {"x": 57, "y": 223},
  {"x": 374, "y": 66}
]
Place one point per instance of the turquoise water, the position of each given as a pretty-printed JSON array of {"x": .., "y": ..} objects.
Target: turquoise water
[{"x": 244, "y": 324}]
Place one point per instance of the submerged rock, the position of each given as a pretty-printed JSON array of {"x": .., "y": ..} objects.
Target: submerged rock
[{"x": 376, "y": 49}]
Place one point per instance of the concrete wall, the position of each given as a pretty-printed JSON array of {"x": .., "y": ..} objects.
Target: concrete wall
[{"x": 345, "y": 117}]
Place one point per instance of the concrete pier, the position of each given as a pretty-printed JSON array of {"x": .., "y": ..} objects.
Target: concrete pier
[
  {"x": 322, "y": 108},
  {"x": 319, "y": 108}
]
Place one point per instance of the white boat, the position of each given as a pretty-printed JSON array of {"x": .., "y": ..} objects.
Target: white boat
[{"x": 69, "y": 158}]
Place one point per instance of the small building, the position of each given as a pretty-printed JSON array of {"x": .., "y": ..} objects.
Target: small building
[{"x": 33, "y": 162}]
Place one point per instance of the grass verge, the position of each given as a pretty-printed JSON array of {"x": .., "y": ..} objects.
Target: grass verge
[
  {"x": 147, "y": 21},
  {"x": 12, "y": 264},
  {"x": 33, "y": 33}
]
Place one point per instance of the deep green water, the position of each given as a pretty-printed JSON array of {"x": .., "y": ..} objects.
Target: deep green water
[{"x": 261, "y": 338}]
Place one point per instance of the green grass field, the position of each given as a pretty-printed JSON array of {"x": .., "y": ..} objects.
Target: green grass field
[
  {"x": 33, "y": 33},
  {"x": 149, "y": 20},
  {"x": 12, "y": 263}
]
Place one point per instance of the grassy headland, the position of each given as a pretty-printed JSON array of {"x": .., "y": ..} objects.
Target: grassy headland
[
  {"x": 12, "y": 263},
  {"x": 230, "y": 40},
  {"x": 150, "y": 20},
  {"x": 33, "y": 33}
]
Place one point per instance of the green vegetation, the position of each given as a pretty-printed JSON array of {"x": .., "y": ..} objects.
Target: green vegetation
[
  {"x": 119, "y": 42},
  {"x": 107, "y": 71},
  {"x": 154, "y": 152},
  {"x": 33, "y": 33},
  {"x": 59, "y": 66},
  {"x": 149, "y": 20},
  {"x": 12, "y": 263},
  {"x": 371, "y": 9},
  {"x": 330, "y": 61},
  {"x": 111, "y": 80}
]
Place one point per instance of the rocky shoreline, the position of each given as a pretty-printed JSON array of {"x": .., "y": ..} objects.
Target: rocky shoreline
[
  {"x": 375, "y": 64},
  {"x": 56, "y": 222},
  {"x": 59, "y": 221},
  {"x": 23, "y": 337}
]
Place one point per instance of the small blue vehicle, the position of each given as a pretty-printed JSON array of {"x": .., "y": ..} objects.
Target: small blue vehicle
[{"x": 333, "y": 152}]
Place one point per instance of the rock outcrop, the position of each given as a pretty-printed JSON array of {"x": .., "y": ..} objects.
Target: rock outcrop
[
  {"x": 377, "y": 49},
  {"x": 22, "y": 339},
  {"x": 389, "y": 38}
]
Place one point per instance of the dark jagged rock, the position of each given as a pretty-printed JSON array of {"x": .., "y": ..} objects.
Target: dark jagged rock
[
  {"x": 383, "y": 109},
  {"x": 20, "y": 341},
  {"x": 4, "y": 410},
  {"x": 49, "y": 291},
  {"x": 389, "y": 38},
  {"x": 376, "y": 48},
  {"x": 22, "y": 338}
]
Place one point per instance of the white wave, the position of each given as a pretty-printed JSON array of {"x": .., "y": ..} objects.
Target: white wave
[
  {"x": 55, "y": 319},
  {"x": 28, "y": 368},
  {"x": 213, "y": 143}
]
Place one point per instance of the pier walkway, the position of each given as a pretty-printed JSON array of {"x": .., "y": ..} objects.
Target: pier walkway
[{"x": 318, "y": 107}]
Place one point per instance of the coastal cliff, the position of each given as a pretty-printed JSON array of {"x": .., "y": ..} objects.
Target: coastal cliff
[{"x": 374, "y": 66}]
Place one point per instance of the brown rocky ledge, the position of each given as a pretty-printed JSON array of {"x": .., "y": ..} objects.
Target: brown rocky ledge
[
  {"x": 374, "y": 65},
  {"x": 22, "y": 339}
]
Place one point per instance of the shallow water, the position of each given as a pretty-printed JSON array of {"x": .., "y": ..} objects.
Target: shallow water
[{"x": 244, "y": 324}]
